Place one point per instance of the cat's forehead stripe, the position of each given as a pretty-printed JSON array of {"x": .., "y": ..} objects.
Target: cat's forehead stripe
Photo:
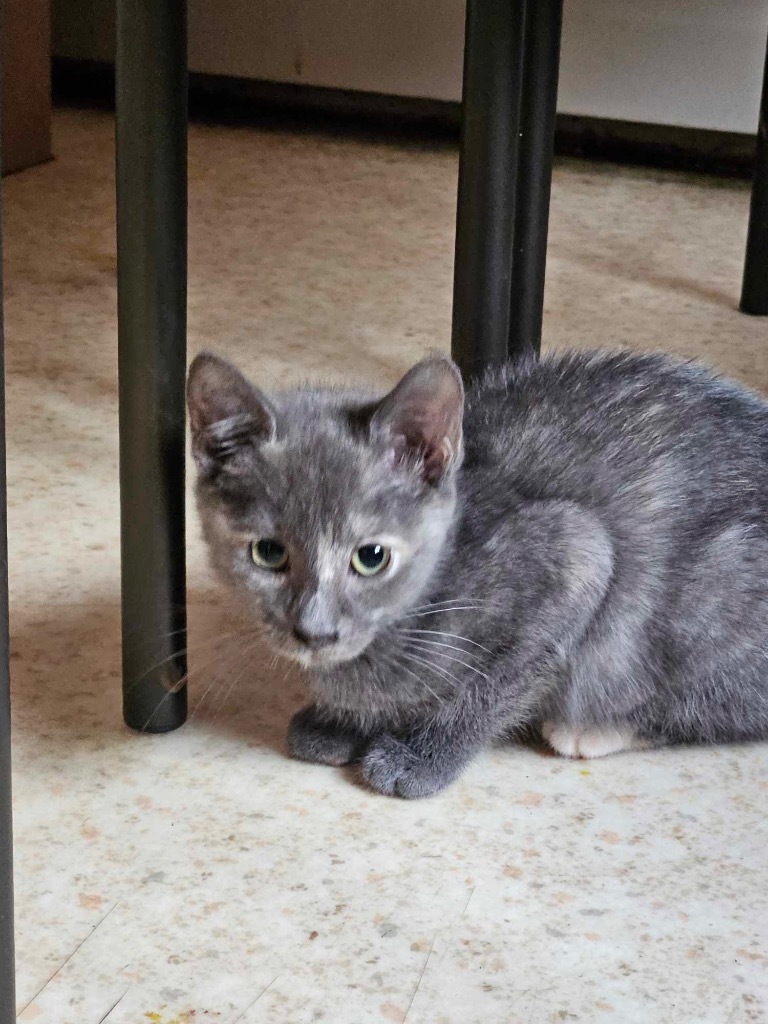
[{"x": 327, "y": 558}]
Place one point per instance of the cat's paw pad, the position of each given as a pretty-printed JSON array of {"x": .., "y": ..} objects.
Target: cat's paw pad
[
  {"x": 594, "y": 741},
  {"x": 311, "y": 739},
  {"x": 394, "y": 768}
]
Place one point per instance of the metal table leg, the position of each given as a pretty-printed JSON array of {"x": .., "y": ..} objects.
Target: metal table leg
[
  {"x": 754, "y": 291},
  {"x": 493, "y": 75},
  {"x": 541, "y": 66},
  {"x": 152, "y": 255},
  {"x": 7, "y": 970},
  {"x": 511, "y": 65}
]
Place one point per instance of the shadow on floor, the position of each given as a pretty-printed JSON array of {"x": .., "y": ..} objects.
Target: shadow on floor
[{"x": 66, "y": 679}]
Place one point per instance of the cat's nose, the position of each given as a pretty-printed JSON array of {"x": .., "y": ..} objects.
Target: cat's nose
[{"x": 315, "y": 640}]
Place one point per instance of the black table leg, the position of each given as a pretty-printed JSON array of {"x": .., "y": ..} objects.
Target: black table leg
[
  {"x": 493, "y": 75},
  {"x": 152, "y": 263},
  {"x": 754, "y": 291},
  {"x": 541, "y": 65},
  {"x": 7, "y": 970}
]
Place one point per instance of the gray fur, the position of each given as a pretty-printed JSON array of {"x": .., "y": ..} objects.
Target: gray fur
[{"x": 593, "y": 553}]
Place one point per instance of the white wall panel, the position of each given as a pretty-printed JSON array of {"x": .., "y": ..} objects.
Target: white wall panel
[{"x": 688, "y": 62}]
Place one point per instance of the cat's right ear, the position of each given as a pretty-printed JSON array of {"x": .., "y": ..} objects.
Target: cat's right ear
[{"x": 228, "y": 415}]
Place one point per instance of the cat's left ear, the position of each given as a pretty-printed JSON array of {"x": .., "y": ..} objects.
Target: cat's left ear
[{"x": 423, "y": 416}]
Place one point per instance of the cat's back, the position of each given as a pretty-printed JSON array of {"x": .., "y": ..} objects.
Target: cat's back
[{"x": 591, "y": 425}]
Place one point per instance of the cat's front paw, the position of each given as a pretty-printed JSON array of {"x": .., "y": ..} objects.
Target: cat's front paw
[
  {"x": 314, "y": 738},
  {"x": 396, "y": 768}
]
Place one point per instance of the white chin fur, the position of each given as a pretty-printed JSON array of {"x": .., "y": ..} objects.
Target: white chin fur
[{"x": 327, "y": 658}]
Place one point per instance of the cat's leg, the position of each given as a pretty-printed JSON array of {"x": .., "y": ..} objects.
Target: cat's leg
[
  {"x": 315, "y": 736},
  {"x": 552, "y": 611},
  {"x": 592, "y": 741}
]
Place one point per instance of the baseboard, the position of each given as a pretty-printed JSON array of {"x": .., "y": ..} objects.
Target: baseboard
[
  {"x": 730, "y": 154},
  {"x": 220, "y": 98}
]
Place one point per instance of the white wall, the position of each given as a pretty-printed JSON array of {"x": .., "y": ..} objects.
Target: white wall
[
  {"x": 689, "y": 62},
  {"x": 692, "y": 62}
]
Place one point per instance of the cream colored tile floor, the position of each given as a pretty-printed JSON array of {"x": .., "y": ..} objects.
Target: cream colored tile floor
[{"x": 202, "y": 876}]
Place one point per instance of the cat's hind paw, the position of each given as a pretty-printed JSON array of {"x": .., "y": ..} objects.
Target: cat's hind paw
[{"x": 595, "y": 741}]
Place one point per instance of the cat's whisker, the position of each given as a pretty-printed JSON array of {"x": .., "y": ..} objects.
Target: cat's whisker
[
  {"x": 152, "y": 668},
  {"x": 448, "y": 657},
  {"x": 395, "y": 663},
  {"x": 202, "y": 700},
  {"x": 181, "y": 609},
  {"x": 419, "y": 679},
  {"x": 437, "y": 669},
  {"x": 438, "y": 604},
  {"x": 387, "y": 660},
  {"x": 244, "y": 654},
  {"x": 246, "y": 633},
  {"x": 445, "y": 611},
  {"x": 287, "y": 670},
  {"x": 427, "y": 645},
  {"x": 216, "y": 679},
  {"x": 422, "y": 641},
  {"x": 136, "y": 639},
  {"x": 443, "y": 676},
  {"x": 221, "y": 651},
  {"x": 156, "y": 639},
  {"x": 228, "y": 694},
  {"x": 175, "y": 654},
  {"x": 183, "y": 681},
  {"x": 160, "y": 704},
  {"x": 455, "y": 636},
  {"x": 449, "y": 603}
]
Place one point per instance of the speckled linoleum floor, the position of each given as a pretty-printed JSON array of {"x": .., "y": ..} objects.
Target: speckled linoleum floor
[{"x": 203, "y": 877}]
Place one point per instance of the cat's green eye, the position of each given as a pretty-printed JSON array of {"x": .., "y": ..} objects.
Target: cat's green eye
[
  {"x": 371, "y": 559},
  {"x": 269, "y": 554}
]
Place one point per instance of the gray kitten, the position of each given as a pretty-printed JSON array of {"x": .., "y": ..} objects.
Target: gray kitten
[{"x": 580, "y": 546}]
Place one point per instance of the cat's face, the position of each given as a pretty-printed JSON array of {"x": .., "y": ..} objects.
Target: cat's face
[{"x": 327, "y": 512}]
